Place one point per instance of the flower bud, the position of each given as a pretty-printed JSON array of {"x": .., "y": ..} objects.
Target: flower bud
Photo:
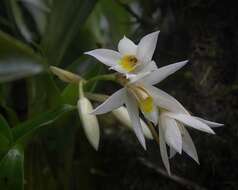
[
  {"x": 64, "y": 75},
  {"x": 122, "y": 115},
  {"x": 89, "y": 121}
]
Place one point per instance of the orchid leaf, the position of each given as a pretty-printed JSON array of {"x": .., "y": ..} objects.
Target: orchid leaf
[
  {"x": 61, "y": 29},
  {"x": 12, "y": 169},
  {"x": 23, "y": 130},
  {"x": 17, "y": 60},
  {"x": 19, "y": 20},
  {"x": 5, "y": 135}
]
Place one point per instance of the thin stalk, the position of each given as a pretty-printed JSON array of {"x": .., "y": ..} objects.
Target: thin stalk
[
  {"x": 81, "y": 93},
  {"x": 153, "y": 132},
  {"x": 108, "y": 77},
  {"x": 96, "y": 97}
]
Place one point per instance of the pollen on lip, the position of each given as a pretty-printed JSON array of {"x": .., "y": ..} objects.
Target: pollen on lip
[
  {"x": 144, "y": 99},
  {"x": 146, "y": 105},
  {"x": 128, "y": 62}
]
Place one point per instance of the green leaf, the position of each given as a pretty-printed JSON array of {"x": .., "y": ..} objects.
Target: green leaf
[
  {"x": 11, "y": 169},
  {"x": 22, "y": 131},
  {"x": 5, "y": 129},
  {"x": 43, "y": 94},
  {"x": 13, "y": 69},
  {"x": 11, "y": 46},
  {"x": 5, "y": 135},
  {"x": 65, "y": 21},
  {"x": 70, "y": 94},
  {"x": 17, "y": 60},
  {"x": 19, "y": 20},
  {"x": 10, "y": 114},
  {"x": 118, "y": 19},
  {"x": 39, "y": 11}
]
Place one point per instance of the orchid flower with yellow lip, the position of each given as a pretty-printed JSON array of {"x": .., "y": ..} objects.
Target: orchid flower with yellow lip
[
  {"x": 130, "y": 59},
  {"x": 137, "y": 95}
]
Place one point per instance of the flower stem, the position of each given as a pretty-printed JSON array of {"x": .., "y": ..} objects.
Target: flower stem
[
  {"x": 81, "y": 93},
  {"x": 108, "y": 77},
  {"x": 96, "y": 97},
  {"x": 153, "y": 132}
]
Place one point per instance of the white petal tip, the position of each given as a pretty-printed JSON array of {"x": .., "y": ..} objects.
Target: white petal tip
[
  {"x": 143, "y": 143},
  {"x": 144, "y": 146},
  {"x": 155, "y": 33},
  {"x": 169, "y": 173},
  {"x": 211, "y": 131},
  {"x": 87, "y": 53},
  {"x": 184, "y": 62},
  {"x": 219, "y": 125},
  {"x": 155, "y": 123},
  {"x": 207, "y": 130},
  {"x": 177, "y": 150},
  {"x": 91, "y": 53},
  {"x": 95, "y": 146}
]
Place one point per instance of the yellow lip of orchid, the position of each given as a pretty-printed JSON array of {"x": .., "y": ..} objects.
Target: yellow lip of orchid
[
  {"x": 144, "y": 99},
  {"x": 146, "y": 105},
  {"x": 129, "y": 63}
]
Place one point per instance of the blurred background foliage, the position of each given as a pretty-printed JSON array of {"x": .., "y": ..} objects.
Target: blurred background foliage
[{"x": 43, "y": 146}]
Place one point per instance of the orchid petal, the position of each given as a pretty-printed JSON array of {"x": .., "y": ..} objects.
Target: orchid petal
[
  {"x": 172, "y": 152},
  {"x": 172, "y": 133},
  {"x": 163, "y": 149},
  {"x": 122, "y": 115},
  {"x": 146, "y": 47},
  {"x": 209, "y": 123},
  {"x": 106, "y": 56},
  {"x": 151, "y": 66},
  {"x": 133, "y": 112},
  {"x": 188, "y": 146},
  {"x": 127, "y": 47},
  {"x": 166, "y": 101},
  {"x": 114, "y": 101},
  {"x": 137, "y": 77},
  {"x": 163, "y": 72},
  {"x": 191, "y": 121}
]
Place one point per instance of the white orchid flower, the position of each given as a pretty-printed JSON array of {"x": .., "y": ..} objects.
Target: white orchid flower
[
  {"x": 173, "y": 116},
  {"x": 130, "y": 59},
  {"x": 140, "y": 95}
]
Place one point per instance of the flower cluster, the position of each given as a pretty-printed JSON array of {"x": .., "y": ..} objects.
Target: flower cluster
[{"x": 165, "y": 117}]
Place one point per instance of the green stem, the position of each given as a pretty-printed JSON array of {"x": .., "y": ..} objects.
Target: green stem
[
  {"x": 81, "y": 93},
  {"x": 107, "y": 77},
  {"x": 153, "y": 132},
  {"x": 96, "y": 97}
]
